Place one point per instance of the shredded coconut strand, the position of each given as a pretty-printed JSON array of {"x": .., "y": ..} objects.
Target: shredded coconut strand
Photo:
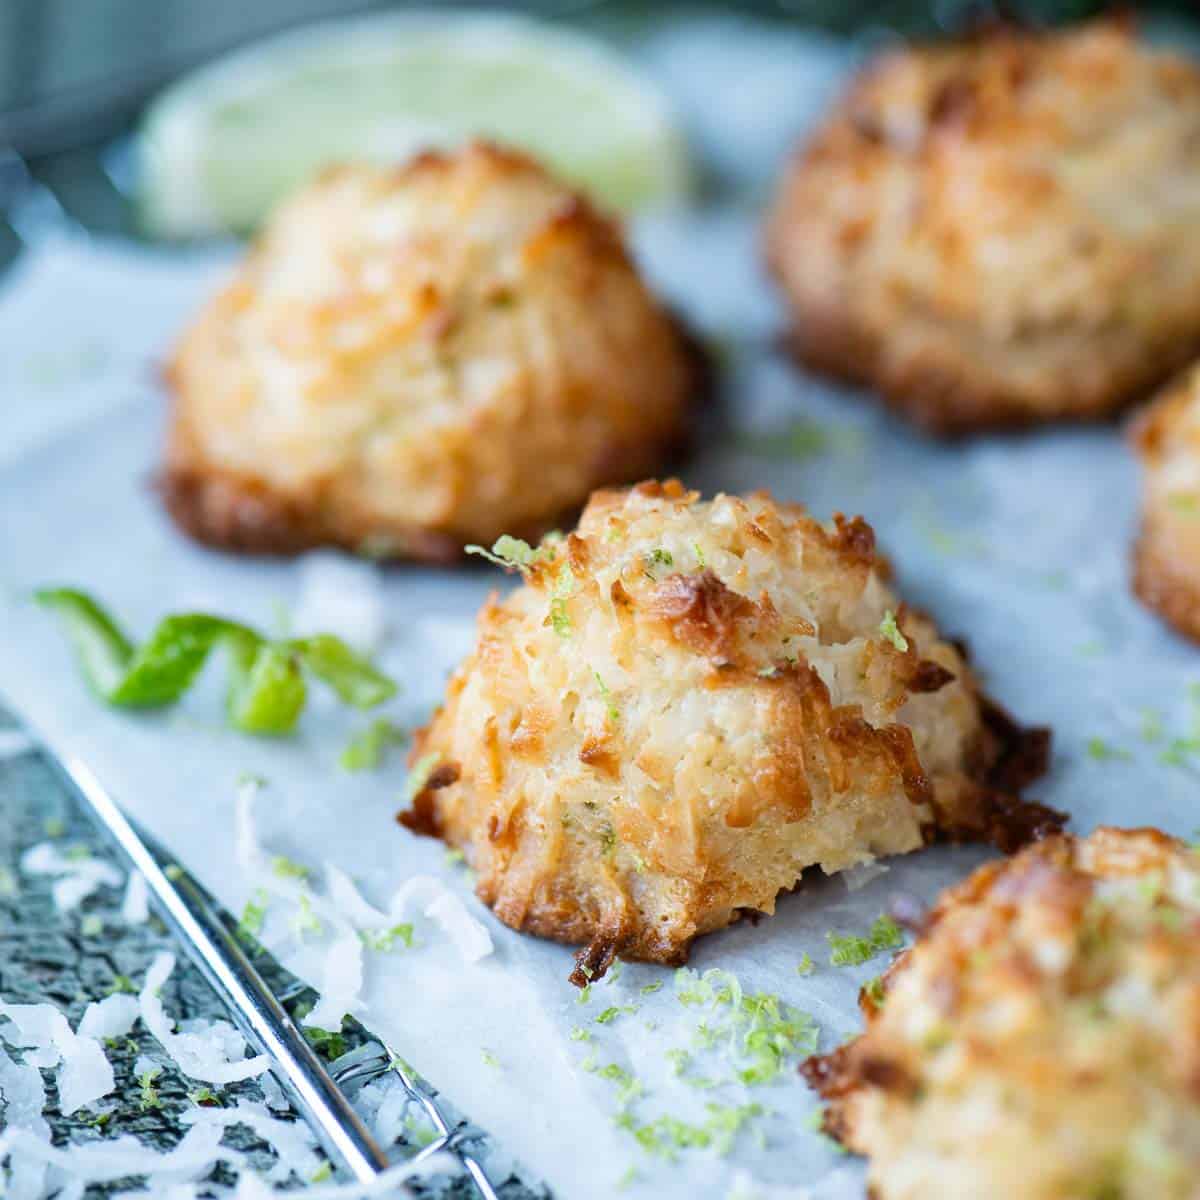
[
  {"x": 112, "y": 1017},
  {"x": 201, "y": 1055},
  {"x": 24, "y": 1098},
  {"x": 293, "y": 1141},
  {"x": 84, "y": 1074},
  {"x": 135, "y": 908},
  {"x": 79, "y": 877}
]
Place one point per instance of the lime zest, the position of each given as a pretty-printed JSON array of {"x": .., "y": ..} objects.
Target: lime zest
[
  {"x": 366, "y": 749},
  {"x": 513, "y": 554},
  {"x": 851, "y": 950},
  {"x": 891, "y": 630}
]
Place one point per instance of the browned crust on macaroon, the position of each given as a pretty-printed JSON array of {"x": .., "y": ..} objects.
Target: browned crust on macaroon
[
  {"x": 587, "y": 824},
  {"x": 242, "y": 515},
  {"x": 1166, "y": 555},
  {"x": 888, "y": 227},
  {"x": 947, "y": 403},
  {"x": 414, "y": 359},
  {"x": 1164, "y": 584},
  {"x": 1005, "y": 994}
]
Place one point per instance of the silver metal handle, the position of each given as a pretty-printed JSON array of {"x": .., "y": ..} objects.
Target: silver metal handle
[{"x": 265, "y": 1023}]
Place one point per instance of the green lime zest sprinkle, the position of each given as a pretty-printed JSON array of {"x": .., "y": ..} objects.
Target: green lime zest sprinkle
[
  {"x": 628, "y": 1088},
  {"x": 648, "y": 989},
  {"x": 147, "y": 1093},
  {"x": 384, "y": 940},
  {"x": 585, "y": 994},
  {"x": 419, "y": 775},
  {"x": 800, "y": 440},
  {"x": 326, "y": 1042},
  {"x": 805, "y": 966},
  {"x": 322, "y": 1173},
  {"x": 579, "y": 1034},
  {"x": 1180, "y": 752},
  {"x": 454, "y": 857},
  {"x": 852, "y": 950},
  {"x": 286, "y": 868},
  {"x": 489, "y": 1059},
  {"x": 699, "y": 555},
  {"x": 304, "y": 921},
  {"x": 665, "y": 1136},
  {"x": 890, "y": 630},
  {"x": 564, "y": 589},
  {"x": 514, "y": 554},
  {"x": 366, "y": 749},
  {"x": 1100, "y": 750},
  {"x": 759, "y": 1031},
  {"x": 1152, "y": 725},
  {"x": 613, "y": 1011},
  {"x": 614, "y": 713},
  {"x": 205, "y": 1097},
  {"x": 122, "y": 985},
  {"x": 874, "y": 991},
  {"x": 267, "y": 690},
  {"x": 253, "y": 915},
  {"x": 55, "y": 827}
]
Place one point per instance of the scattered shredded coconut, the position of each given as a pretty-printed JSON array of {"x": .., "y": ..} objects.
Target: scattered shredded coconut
[
  {"x": 112, "y": 1017},
  {"x": 14, "y": 743},
  {"x": 342, "y": 596},
  {"x": 859, "y": 876},
  {"x": 469, "y": 936},
  {"x": 79, "y": 877},
  {"x": 194, "y": 1157},
  {"x": 202, "y": 1055},
  {"x": 253, "y": 1187},
  {"x": 84, "y": 1074},
  {"x": 293, "y": 1140},
  {"x": 135, "y": 908},
  {"x": 349, "y": 902},
  {"x": 24, "y": 1099},
  {"x": 341, "y": 981},
  {"x": 273, "y": 1093}
]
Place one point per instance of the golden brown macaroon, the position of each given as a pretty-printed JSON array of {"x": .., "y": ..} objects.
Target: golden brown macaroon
[
  {"x": 1041, "y": 1040},
  {"x": 685, "y": 705},
  {"x": 1167, "y": 556},
  {"x": 416, "y": 358},
  {"x": 1000, "y": 231}
]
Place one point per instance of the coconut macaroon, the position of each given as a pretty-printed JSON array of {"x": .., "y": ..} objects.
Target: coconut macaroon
[
  {"x": 419, "y": 357},
  {"x": 1167, "y": 556},
  {"x": 1042, "y": 1037},
  {"x": 686, "y": 704},
  {"x": 999, "y": 231}
]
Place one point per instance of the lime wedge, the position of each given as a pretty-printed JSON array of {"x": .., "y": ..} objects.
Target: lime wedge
[{"x": 221, "y": 147}]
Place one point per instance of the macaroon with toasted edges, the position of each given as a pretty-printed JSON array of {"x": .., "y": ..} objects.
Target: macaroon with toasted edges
[
  {"x": 1042, "y": 1037},
  {"x": 685, "y": 705},
  {"x": 998, "y": 231},
  {"x": 1166, "y": 572},
  {"x": 415, "y": 358}
]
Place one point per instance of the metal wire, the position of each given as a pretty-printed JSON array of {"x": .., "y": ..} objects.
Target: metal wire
[
  {"x": 372, "y": 1061},
  {"x": 315, "y": 1090}
]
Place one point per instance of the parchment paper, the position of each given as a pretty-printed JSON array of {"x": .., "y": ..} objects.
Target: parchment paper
[{"x": 1019, "y": 544}]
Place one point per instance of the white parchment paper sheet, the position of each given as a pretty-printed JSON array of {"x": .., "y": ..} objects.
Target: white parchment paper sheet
[{"x": 1020, "y": 544}]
